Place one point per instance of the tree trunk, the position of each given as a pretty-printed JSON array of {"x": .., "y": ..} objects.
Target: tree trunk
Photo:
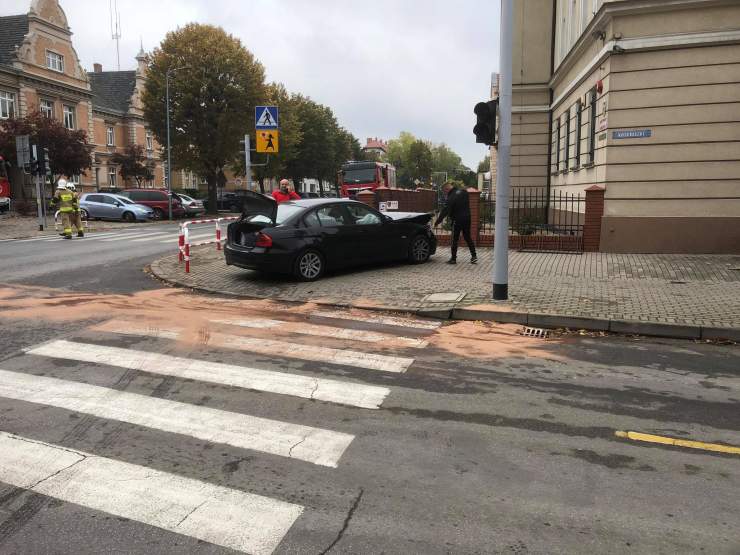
[{"x": 212, "y": 180}]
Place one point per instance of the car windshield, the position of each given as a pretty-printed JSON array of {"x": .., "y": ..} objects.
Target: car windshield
[
  {"x": 124, "y": 200},
  {"x": 185, "y": 197},
  {"x": 359, "y": 176},
  {"x": 284, "y": 212}
]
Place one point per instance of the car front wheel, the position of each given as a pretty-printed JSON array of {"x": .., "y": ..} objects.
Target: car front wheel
[
  {"x": 309, "y": 266},
  {"x": 128, "y": 217},
  {"x": 420, "y": 250},
  {"x": 158, "y": 214}
]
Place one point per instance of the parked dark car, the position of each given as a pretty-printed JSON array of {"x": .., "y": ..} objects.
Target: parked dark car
[
  {"x": 157, "y": 200},
  {"x": 230, "y": 201},
  {"x": 307, "y": 194},
  {"x": 307, "y": 237}
]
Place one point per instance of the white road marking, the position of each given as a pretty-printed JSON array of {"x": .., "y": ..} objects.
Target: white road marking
[
  {"x": 379, "y": 319},
  {"x": 125, "y": 237},
  {"x": 273, "y": 347},
  {"x": 314, "y": 445},
  {"x": 326, "y": 331},
  {"x": 226, "y": 517},
  {"x": 306, "y": 387},
  {"x": 153, "y": 237}
]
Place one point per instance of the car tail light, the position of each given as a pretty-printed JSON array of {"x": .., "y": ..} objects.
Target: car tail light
[{"x": 263, "y": 240}]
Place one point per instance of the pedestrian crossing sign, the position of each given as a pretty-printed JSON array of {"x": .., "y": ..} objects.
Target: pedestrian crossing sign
[
  {"x": 266, "y": 117},
  {"x": 267, "y": 141}
]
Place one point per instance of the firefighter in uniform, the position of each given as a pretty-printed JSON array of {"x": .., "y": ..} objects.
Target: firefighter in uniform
[
  {"x": 76, "y": 218},
  {"x": 66, "y": 202}
]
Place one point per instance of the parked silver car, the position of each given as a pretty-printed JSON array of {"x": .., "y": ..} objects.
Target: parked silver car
[
  {"x": 193, "y": 207},
  {"x": 107, "y": 206}
]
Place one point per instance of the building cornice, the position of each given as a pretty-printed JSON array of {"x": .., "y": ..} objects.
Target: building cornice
[
  {"x": 609, "y": 10},
  {"x": 640, "y": 44}
]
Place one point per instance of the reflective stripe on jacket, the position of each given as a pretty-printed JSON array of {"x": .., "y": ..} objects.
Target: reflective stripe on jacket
[{"x": 67, "y": 201}]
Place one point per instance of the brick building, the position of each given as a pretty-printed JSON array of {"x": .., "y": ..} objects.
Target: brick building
[
  {"x": 40, "y": 71},
  {"x": 639, "y": 97}
]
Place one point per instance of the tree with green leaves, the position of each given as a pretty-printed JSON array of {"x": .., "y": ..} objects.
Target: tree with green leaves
[
  {"x": 213, "y": 93},
  {"x": 69, "y": 151},
  {"x": 133, "y": 164},
  {"x": 419, "y": 163},
  {"x": 485, "y": 164},
  {"x": 444, "y": 159}
]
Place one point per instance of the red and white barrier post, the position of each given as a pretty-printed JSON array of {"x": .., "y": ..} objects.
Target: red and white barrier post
[
  {"x": 181, "y": 244},
  {"x": 184, "y": 238}
]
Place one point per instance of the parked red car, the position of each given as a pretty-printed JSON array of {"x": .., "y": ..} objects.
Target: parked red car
[{"x": 157, "y": 200}]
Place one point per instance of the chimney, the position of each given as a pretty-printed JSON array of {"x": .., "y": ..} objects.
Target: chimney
[{"x": 97, "y": 68}]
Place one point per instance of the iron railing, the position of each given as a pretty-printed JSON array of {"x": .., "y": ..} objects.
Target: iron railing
[{"x": 535, "y": 211}]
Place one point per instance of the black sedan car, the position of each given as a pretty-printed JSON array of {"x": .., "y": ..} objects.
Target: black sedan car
[{"x": 307, "y": 237}]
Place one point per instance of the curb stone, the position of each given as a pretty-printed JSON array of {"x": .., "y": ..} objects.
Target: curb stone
[{"x": 496, "y": 314}]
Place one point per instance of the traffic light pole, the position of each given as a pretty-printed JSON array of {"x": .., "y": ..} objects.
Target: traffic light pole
[
  {"x": 40, "y": 201},
  {"x": 503, "y": 166}
]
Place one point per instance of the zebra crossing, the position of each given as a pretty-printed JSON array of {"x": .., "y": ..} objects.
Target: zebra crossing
[
  {"x": 144, "y": 235},
  {"x": 245, "y": 521}
]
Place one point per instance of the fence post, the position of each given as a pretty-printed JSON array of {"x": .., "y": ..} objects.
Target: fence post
[
  {"x": 474, "y": 198},
  {"x": 594, "y": 211},
  {"x": 367, "y": 197}
]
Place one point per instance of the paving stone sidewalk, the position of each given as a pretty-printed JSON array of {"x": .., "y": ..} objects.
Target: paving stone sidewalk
[{"x": 688, "y": 290}]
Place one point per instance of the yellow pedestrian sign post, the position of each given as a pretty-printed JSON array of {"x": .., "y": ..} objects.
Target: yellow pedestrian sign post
[{"x": 267, "y": 141}]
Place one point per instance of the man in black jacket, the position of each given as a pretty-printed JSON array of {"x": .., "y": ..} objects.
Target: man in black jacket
[{"x": 458, "y": 210}]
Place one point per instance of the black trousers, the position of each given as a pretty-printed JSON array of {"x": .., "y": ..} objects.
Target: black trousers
[{"x": 464, "y": 228}]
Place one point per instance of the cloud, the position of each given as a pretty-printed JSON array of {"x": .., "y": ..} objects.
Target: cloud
[{"x": 383, "y": 67}]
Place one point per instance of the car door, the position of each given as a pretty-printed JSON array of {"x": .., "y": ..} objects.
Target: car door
[
  {"x": 369, "y": 235},
  {"x": 94, "y": 206},
  {"x": 337, "y": 238},
  {"x": 114, "y": 209}
]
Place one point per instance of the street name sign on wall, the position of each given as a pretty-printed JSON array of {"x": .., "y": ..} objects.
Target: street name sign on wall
[
  {"x": 267, "y": 141},
  {"x": 633, "y": 134},
  {"x": 266, "y": 117}
]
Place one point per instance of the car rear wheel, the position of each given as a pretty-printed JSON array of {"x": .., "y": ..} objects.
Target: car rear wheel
[
  {"x": 158, "y": 214},
  {"x": 128, "y": 217},
  {"x": 420, "y": 250},
  {"x": 309, "y": 266}
]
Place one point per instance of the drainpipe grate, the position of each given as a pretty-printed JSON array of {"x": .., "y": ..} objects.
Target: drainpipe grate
[{"x": 538, "y": 333}]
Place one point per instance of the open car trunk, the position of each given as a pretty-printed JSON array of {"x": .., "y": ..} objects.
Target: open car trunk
[{"x": 259, "y": 211}]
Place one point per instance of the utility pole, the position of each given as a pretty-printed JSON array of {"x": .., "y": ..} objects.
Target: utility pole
[
  {"x": 169, "y": 146},
  {"x": 503, "y": 178},
  {"x": 247, "y": 162}
]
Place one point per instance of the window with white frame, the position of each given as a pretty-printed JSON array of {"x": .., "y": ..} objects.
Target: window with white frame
[
  {"x": 55, "y": 61},
  {"x": 7, "y": 105},
  {"x": 70, "y": 119},
  {"x": 112, "y": 176},
  {"x": 149, "y": 140},
  {"x": 76, "y": 179},
  {"x": 110, "y": 134},
  {"x": 46, "y": 107}
]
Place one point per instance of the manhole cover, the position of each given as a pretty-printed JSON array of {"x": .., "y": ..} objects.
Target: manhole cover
[
  {"x": 444, "y": 298},
  {"x": 534, "y": 332}
]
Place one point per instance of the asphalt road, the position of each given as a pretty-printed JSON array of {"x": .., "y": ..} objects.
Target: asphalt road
[{"x": 136, "y": 419}]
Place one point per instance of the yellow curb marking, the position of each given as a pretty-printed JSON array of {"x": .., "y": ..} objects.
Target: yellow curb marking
[{"x": 637, "y": 436}]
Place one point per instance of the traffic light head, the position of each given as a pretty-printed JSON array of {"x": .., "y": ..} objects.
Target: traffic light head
[{"x": 485, "y": 127}]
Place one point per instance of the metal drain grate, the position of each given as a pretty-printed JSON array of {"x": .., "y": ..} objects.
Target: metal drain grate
[{"x": 534, "y": 332}]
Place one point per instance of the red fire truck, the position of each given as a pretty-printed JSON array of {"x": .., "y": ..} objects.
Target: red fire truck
[{"x": 366, "y": 176}]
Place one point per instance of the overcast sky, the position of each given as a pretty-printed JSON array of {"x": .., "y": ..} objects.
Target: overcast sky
[{"x": 383, "y": 66}]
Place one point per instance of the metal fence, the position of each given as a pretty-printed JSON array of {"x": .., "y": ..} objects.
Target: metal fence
[
  {"x": 535, "y": 211},
  {"x": 538, "y": 219}
]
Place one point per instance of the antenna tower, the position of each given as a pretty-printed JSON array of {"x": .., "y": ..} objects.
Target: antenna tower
[{"x": 115, "y": 28}]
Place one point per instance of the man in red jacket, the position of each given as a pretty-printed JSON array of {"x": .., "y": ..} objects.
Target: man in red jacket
[{"x": 285, "y": 193}]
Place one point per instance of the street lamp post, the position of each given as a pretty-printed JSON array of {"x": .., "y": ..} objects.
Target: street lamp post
[{"x": 169, "y": 146}]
